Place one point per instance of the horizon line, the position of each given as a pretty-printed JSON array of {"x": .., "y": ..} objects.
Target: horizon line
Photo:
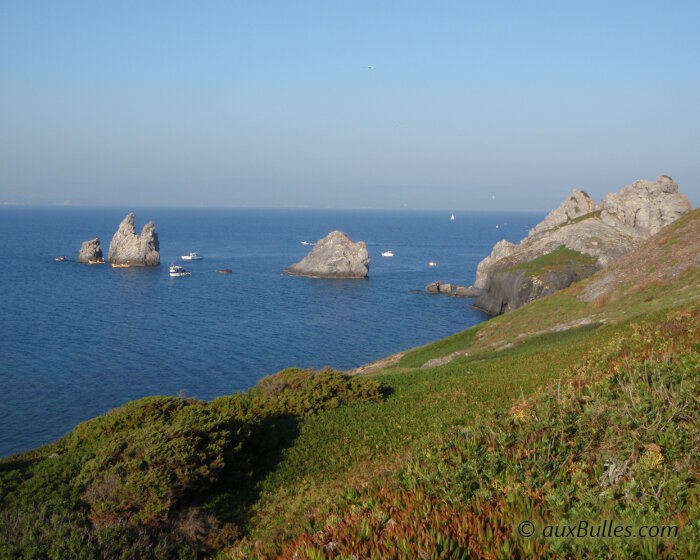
[{"x": 242, "y": 207}]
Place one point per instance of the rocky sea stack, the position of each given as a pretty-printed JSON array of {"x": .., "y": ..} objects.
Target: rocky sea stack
[
  {"x": 90, "y": 251},
  {"x": 135, "y": 250},
  {"x": 334, "y": 256},
  {"x": 574, "y": 241}
]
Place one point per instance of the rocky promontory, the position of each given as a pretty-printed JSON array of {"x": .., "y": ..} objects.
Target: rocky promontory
[
  {"x": 90, "y": 252},
  {"x": 574, "y": 241},
  {"x": 135, "y": 250},
  {"x": 334, "y": 256}
]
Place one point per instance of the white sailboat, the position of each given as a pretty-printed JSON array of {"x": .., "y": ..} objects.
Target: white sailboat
[{"x": 452, "y": 217}]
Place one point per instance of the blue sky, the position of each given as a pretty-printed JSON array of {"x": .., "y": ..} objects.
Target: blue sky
[{"x": 263, "y": 103}]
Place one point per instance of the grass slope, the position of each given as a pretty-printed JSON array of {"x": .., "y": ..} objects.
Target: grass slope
[
  {"x": 616, "y": 442},
  {"x": 561, "y": 257}
]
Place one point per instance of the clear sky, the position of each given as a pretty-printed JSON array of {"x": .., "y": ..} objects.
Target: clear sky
[{"x": 451, "y": 105}]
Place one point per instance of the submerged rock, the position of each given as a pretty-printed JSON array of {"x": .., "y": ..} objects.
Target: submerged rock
[
  {"x": 90, "y": 251},
  {"x": 135, "y": 250},
  {"x": 581, "y": 237},
  {"x": 334, "y": 256}
]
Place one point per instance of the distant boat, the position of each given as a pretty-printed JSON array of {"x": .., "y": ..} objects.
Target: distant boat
[
  {"x": 120, "y": 265},
  {"x": 62, "y": 258},
  {"x": 176, "y": 271},
  {"x": 192, "y": 257},
  {"x": 496, "y": 226},
  {"x": 432, "y": 263},
  {"x": 306, "y": 243},
  {"x": 97, "y": 261},
  {"x": 452, "y": 217},
  {"x": 388, "y": 254}
]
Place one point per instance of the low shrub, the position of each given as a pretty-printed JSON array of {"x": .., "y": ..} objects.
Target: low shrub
[{"x": 130, "y": 483}]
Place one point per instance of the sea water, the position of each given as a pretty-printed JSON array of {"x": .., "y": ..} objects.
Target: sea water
[{"x": 77, "y": 340}]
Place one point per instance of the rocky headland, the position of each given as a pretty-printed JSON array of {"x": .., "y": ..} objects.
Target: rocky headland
[
  {"x": 574, "y": 241},
  {"x": 90, "y": 252},
  {"x": 127, "y": 247},
  {"x": 334, "y": 256}
]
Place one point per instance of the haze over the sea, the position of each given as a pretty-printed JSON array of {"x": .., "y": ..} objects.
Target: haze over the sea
[{"x": 419, "y": 105}]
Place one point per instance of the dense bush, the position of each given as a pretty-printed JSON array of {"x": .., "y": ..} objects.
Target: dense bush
[
  {"x": 302, "y": 392},
  {"x": 131, "y": 483}
]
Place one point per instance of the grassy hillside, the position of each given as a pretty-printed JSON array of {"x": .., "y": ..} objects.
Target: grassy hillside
[
  {"x": 564, "y": 411},
  {"x": 561, "y": 257}
]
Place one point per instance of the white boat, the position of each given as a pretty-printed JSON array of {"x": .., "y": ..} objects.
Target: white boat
[
  {"x": 388, "y": 254},
  {"x": 192, "y": 257},
  {"x": 432, "y": 263},
  {"x": 306, "y": 243},
  {"x": 452, "y": 217},
  {"x": 176, "y": 271}
]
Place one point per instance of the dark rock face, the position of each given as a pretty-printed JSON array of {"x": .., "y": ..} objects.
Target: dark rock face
[
  {"x": 334, "y": 256},
  {"x": 509, "y": 289},
  {"x": 90, "y": 251},
  {"x": 595, "y": 235},
  {"x": 136, "y": 250}
]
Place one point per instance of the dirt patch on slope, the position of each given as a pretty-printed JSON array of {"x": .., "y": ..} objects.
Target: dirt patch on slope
[{"x": 658, "y": 260}]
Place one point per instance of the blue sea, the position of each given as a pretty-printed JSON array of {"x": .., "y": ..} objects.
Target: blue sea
[{"x": 79, "y": 340}]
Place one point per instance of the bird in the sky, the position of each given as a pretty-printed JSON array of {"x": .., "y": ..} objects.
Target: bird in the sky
[{"x": 370, "y": 67}]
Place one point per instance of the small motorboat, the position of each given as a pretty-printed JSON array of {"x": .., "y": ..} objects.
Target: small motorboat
[
  {"x": 62, "y": 258},
  {"x": 192, "y": 257},
  {"x": 306, "y": 243},
  {"x": 388, "y": 254},
  {"x": 97, "y": 261},
  {"x": 432, "y": 263},
  {"x": 176, "y": 271},
  {"x": 121, "y": 265}
]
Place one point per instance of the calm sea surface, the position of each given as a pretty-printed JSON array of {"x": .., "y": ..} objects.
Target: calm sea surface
[{"x": 77, "y": 340}]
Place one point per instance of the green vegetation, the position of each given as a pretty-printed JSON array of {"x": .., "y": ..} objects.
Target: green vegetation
[
  {"x": 558, "y": 412},
  {"x": 617, "y": 441},
  {"x": 454, "y": 343},
  {"x": 561, "y": 256},
  {"x": 150, "y": 477}
]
